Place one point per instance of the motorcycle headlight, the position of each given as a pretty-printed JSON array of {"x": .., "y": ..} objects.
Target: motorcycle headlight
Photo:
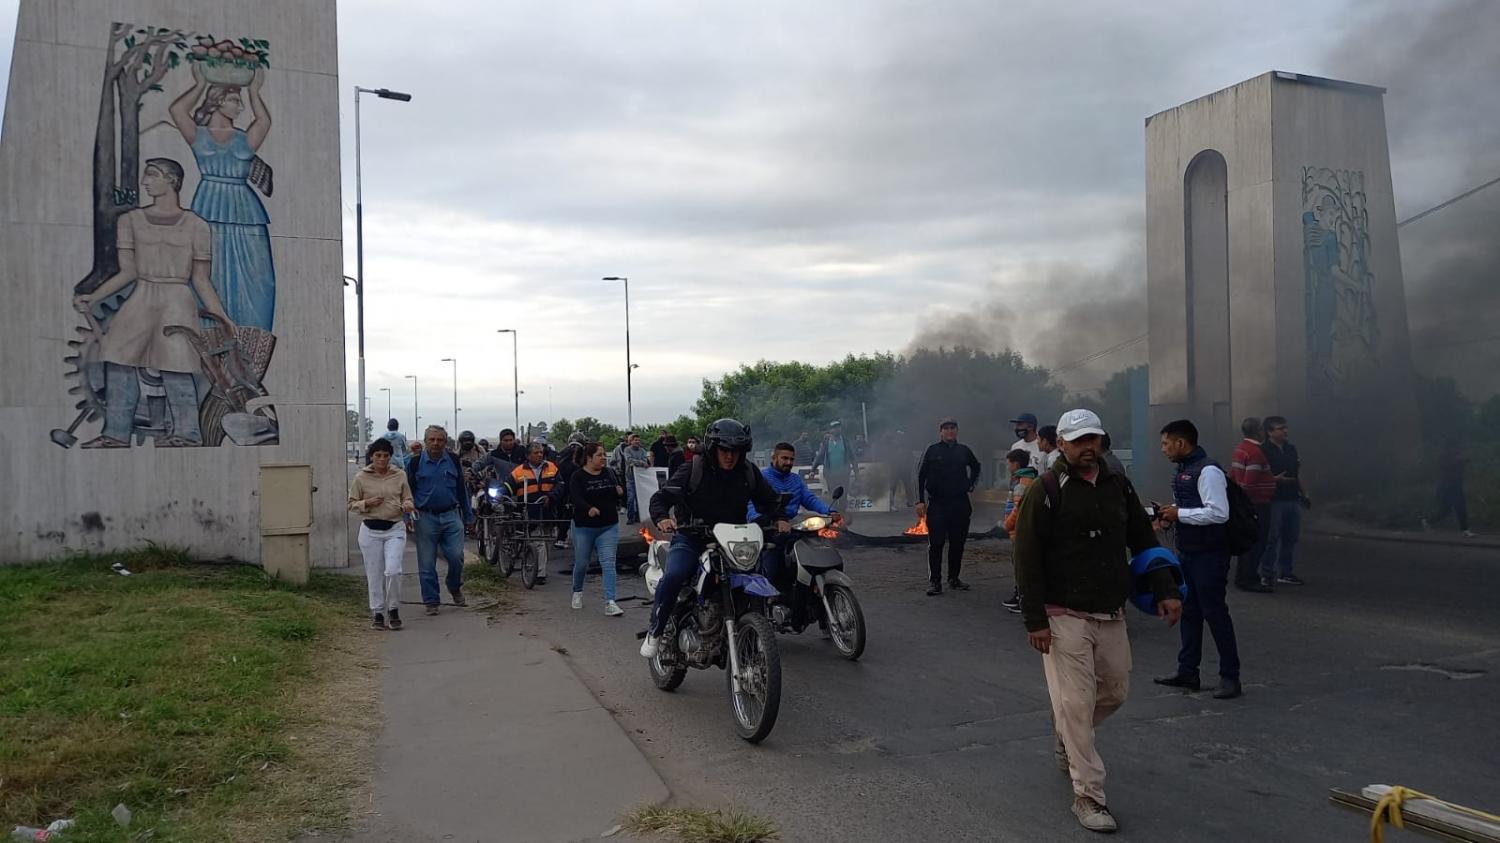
[
  {"x": 817, "y": 522},
  {"x": 494, "y": 491},
  {"x": 744, "y": 555}
]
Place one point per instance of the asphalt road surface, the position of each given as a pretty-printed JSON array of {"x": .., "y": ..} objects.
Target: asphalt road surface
[{"x": 1385, "y": 668}]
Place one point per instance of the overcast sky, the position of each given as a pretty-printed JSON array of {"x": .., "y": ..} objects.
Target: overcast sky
[{"x": 782, "y": 180}]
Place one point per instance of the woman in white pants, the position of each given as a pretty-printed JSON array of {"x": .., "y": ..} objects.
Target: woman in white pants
[{"x": 382, "y": 495}]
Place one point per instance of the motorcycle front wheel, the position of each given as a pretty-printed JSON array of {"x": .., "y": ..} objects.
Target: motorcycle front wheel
[
  {"x": 758, "y": 701},
  {"x": 528, "y": 564},
  {"x": 846, "y": 628}
]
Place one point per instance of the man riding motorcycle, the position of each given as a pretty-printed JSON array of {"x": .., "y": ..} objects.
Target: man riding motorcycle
[
  {"x": 787, "y": 482},
  {"x": 715, "y": 488}
]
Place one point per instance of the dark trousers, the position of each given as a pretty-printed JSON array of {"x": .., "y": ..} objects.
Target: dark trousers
[
  {"x": 682, "y": 563},
  {"x": 1207, "y": 574},
  {"x": 947, "y": 524},
  {"x": 1247, "y": 566},
  {"x": 1451, "y": 499}
]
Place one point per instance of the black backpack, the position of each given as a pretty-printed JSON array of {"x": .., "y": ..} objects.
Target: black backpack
[{"x": 1243, "y": 526}]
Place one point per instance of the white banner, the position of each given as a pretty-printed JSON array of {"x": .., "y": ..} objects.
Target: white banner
[{"x": 647, "y": 481}]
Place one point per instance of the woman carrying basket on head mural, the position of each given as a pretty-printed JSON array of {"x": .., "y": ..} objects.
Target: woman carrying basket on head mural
[{"x": 243, "y": 274}]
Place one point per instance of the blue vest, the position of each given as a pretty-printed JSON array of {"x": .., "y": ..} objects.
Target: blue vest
[{"x": 1192, "y": 538}]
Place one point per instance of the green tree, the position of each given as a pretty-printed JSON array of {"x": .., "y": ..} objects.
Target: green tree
[
  {"x": 1112, "y": 403},
  {"x": 351, "y": 424}
]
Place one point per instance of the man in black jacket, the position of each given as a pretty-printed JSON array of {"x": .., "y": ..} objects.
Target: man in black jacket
[
  {"x": 1075, "y": 530},
  {"x": 716, "y": 488},
  {"x": 945, "y": 478}
]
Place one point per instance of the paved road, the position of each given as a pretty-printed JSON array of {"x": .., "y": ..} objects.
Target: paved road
[{"x": 1384, "y": 669}]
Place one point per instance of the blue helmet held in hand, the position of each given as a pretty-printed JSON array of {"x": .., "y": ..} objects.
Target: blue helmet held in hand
[{"x": 1140, "y": 583}]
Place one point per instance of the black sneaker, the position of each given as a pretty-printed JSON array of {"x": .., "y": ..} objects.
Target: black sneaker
[
  {"x": 378, "y": 622},
  {"x": 958, "y": 585},
  {"x": 1013, "y": 604},
  {"x": 1290, "y": 579},
  {"x": 432, "y": 608},
  {"x": 934, "y": 589},
  {"x": 395, "y": 619},
  {"x": 1268, "y": 585},
  {"x": 1255, "y": 587}
]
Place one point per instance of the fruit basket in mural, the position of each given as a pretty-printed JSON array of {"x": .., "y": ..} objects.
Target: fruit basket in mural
[{"x": 228, "y": 62}]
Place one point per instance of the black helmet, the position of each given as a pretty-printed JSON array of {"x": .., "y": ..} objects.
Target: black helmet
[
  {"x": 484, "y": 443},
  {"x": 729, "y": 435},
  {"x": 467, "y": 437}
]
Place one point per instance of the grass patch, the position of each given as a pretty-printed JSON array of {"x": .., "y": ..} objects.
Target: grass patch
[
  {"x": 695, "y": 825},
  {"x": 214, "y": 703},
  {"x": 484, "y": 580}
]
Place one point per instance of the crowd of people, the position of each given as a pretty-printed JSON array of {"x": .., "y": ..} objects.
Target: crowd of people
[{"x": 1084, "y": 542}]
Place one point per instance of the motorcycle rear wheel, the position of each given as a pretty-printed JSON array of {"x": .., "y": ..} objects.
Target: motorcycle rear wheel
[
  {"x": 847, "y": 626},
  {"x": 528, "y": 564},
  {"x": 759, "y": 700}
]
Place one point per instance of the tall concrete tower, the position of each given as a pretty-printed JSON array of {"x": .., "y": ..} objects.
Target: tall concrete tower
[{"x": 1273, "y": 268}]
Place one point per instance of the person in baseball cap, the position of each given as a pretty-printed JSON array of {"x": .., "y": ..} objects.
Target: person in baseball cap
[
  {"x": 1026, "y": 440},
  {"x": 1075, "y": 530}
]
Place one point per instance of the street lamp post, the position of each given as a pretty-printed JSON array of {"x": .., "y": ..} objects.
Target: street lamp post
[
  {"x": 387, "y": 391},
  {"x": 416, "y": 418},
  {"x": 515, "y": 362},
  {"x": 629, "y": 369},
  {"x": 359, "y": 238},
  {"x": 454, "y": 361}
]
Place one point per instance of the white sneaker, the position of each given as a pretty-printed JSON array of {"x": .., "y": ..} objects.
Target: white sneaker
[
  {"x": 1469, "y": 534},
  {"x": 612, "y": 609},
  {"x": 578, "y": 600},
  {"x": 650, "y": 646},
  {"x": 1093, "y": 816}
]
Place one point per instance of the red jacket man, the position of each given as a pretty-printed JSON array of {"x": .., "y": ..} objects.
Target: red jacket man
[{"x": 1252, "y": 471}]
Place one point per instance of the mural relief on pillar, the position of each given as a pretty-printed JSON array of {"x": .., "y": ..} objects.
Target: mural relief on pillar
[
  {"x": 179, "y": 304},
  {"x": 1343, "y": 333}
]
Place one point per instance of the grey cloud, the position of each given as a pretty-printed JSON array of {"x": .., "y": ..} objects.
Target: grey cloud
[{"x": 1440, "y": 64}]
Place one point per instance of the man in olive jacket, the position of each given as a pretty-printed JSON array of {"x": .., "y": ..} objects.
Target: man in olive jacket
[{"x": 1077, "y": 528}]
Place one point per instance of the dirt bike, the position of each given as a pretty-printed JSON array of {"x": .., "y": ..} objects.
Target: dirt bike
[{"x": 719, "y": 620}]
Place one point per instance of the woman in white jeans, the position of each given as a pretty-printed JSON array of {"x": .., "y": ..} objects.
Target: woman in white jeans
[{"x": 382, "y": 495}]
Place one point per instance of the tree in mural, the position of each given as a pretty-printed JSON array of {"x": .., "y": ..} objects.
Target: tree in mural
[{"x": 1343, "y": 333}]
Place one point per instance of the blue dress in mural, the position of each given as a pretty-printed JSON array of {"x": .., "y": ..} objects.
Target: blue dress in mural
[{"x": 243, "y": 274}]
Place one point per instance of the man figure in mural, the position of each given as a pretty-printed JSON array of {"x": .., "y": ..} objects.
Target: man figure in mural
[
  {"x": 227, "y": 161},
  {"x": 165, "y": 251}
]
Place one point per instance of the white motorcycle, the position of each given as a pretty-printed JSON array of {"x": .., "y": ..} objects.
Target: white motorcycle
[{"x": 720, "y": 620}]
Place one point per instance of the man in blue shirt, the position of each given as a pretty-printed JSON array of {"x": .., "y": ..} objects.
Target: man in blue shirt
[
  {"x": 785, "y": 481},
  {"x": 443, "y": 508}
]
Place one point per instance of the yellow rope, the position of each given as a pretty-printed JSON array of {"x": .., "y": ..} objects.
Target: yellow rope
[{"x": 1389, "y": 809}]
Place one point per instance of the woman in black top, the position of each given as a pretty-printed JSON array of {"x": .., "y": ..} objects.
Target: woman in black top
[{"x": 596, "y": 493}]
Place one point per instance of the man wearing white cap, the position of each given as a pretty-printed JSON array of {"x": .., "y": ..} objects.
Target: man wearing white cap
[{"x": 1076, "y": 530}]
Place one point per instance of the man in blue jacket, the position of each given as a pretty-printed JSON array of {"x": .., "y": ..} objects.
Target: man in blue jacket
[
  {"x": 787, "y": 482},
  {"x": 443, "y": 508}
]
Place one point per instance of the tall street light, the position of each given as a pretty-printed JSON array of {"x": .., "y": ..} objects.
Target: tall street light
[
  {"x": 359, "y": 236},
  {"x": 387, "y": 391},
  {"x": 454, "y": 361},
  {"x": 629, "y": 369},
  {"x": 515, "y": 360},
  {"x": 416, "y": 418}
]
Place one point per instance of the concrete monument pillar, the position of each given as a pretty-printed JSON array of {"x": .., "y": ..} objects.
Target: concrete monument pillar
[
  {"x": 171, "y": 256},
  {"x": 1273, "y": 268}
]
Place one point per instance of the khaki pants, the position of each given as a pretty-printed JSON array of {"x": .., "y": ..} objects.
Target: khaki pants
[{"x": 1088, "y": 677}]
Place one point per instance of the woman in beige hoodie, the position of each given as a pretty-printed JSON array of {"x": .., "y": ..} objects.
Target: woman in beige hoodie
[{"x": 382, "y": 495}]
